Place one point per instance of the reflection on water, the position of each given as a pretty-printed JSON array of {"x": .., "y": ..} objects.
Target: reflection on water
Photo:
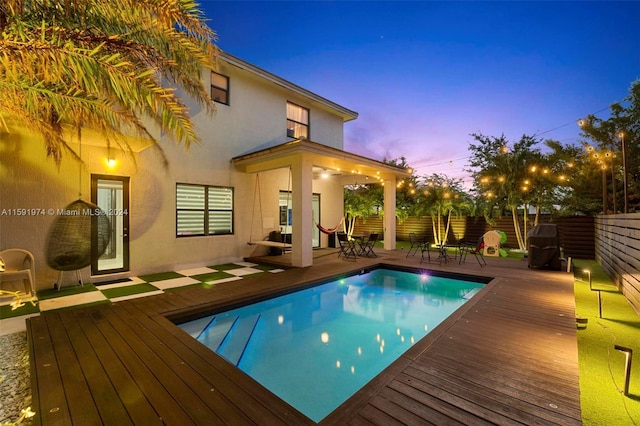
[{"x": 332, "y": 339}]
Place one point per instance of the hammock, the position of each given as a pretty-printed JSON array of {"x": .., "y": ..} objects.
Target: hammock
[{"x": 329, "y": 231}]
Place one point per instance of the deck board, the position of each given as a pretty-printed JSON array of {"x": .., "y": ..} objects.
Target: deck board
[
  {"x": 133, "y": 399},
  {"x": 508, "y": 356}
]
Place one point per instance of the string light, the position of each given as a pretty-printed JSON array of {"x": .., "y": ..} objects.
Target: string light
[{"x": 451, "y": 162}]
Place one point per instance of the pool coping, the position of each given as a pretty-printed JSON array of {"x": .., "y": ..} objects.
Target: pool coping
[{"x": 129, "y": 327}]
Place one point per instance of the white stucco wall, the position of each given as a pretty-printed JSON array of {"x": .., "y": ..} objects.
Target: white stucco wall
[{"x": 255, "y": 119}]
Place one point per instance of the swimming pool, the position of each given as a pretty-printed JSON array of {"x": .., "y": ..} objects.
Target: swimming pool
[{"x": 314, "y": 348}]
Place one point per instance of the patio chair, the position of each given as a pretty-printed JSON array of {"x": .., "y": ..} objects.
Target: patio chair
[
  {"x": 491, "y": 241},
  {"x": 368, "y": 245},
  {"x": 19, "y": 265},
  {"x": 476, "y": 251},
  {"x": 416, "y": 244},
  {"x": 425, "y": 247},
  {"x": 347, "y": 247}
]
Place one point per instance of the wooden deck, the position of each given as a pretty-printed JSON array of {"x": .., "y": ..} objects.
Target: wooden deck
[{"x": 508, "y": 356}]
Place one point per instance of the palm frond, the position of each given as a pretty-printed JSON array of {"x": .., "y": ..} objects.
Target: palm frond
[{"x": 90, "y": 65}]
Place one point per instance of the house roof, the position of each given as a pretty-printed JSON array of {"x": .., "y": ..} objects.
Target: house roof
[
  {"x": 345, "y": 113},
  {"x": 338, "y": 162}
]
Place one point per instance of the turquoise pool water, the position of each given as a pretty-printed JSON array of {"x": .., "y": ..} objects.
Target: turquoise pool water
[{"x": 316, "y": 347}]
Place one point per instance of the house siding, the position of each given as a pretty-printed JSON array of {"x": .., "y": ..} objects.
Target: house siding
[{"x": 255, "y": 119}]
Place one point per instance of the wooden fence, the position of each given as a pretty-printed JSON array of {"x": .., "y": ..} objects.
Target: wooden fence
[
  {"x": 577, "y": 236},
  {"x": 617, "y": 240}
]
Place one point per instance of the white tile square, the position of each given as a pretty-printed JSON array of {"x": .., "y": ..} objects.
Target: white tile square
[
  {"x": 247, "y": 264},
  {"x": 75, "y": 299},
  {"x": 175, "y": 282},
  {"x": 223, "y": 280},
  {"x": 196, "y": 271},
  {"x": 135, "y": 296},
  {"x": 242, "y": 271},
  {"x": 132, "y": 281}
]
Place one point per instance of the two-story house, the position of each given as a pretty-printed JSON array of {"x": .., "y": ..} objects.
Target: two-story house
[{"x": 271, "y": 158}]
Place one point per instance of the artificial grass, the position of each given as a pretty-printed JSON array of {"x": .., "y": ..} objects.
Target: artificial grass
[
  {"x": 601, "y": 366},
  {"x": 28, "y": 308},
  {"x": 212, "y": 276},
  {"x": 225, "y": 267},
  {"x": 128, "y": 290}
]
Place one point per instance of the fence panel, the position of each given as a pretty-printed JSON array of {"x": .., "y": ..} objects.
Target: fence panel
[
  {"x": 577, "y": 234},
  {"x": 618, "y": 252}
]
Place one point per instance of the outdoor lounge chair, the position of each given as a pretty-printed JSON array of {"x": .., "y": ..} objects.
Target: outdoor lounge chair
[
  {"x": 347, "y": 247},
  {"x": 19, "y": 265}
]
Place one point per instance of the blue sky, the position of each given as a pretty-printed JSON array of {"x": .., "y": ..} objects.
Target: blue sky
[{"x": 425, "y": 75}]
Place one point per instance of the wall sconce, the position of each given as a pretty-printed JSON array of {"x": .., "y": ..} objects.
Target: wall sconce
[
  {"x": 324, "y": 174},
  {"x": 111, "y": 161},
  {"x": 628, "y": 352}
]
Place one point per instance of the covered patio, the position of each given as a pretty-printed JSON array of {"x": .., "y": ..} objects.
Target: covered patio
[{"x": 305, "y": 160}]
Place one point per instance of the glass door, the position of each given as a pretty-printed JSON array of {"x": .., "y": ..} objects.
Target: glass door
[
  {"x": 286, "y": 216},
  {"x": 111, "y": 194}
]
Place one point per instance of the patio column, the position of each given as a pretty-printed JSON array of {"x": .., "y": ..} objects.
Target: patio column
[
  {"x": 302, "y": 187},
  {"x": 389, "y": 214}
]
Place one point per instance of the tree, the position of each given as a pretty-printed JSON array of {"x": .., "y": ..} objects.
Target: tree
[
  {"x": 107, "y": 65},
  {"x": 357, "y": 203},
  {"x": 578, "y": 178},
  {"x": 621, "y": 129},
  {"x": 500, "y": 172},
  {"x": 442, "y": 197}
]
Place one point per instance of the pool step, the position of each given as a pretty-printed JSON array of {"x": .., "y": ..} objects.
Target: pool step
[
  {"x": 197, "y": 327},
  {"x": 235, "y": 342},
  {"x": 216, "y": 331}
]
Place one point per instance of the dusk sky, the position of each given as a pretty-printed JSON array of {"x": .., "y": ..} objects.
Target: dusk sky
[{"x": 425, "y": 75}]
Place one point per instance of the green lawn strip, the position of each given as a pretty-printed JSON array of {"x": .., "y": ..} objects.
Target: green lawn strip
[
  {"x": 28, "y": 308},
  {"x": 212, "y": 276},
  {"x": 160, "y": 276},
  {"x": 128, "y": 290},
  {"x": 226, "y": 267},
  {"x": 601, "y": 366},
  {"x": 65, "y": 291}
]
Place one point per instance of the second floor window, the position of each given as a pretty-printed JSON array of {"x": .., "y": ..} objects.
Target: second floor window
[
  {"x": 220, "y": 88},
  {"x": 297, "y": 121}
]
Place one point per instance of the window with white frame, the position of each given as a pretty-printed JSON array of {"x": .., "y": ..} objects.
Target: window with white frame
[
  {"x": 203, "y": 210},
  {"x": 220, "y": 88},
  {"x": 297, "y": 121}
]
